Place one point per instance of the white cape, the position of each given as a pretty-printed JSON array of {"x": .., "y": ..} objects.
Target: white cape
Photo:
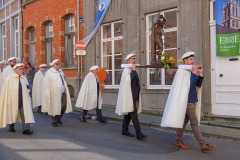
[
  {"x": 1, "y": 81},
  {"x": 176, "y": 106},
  {"x": 125, "y": 99},
  {"x": 9, "y": 112},
  {"x": 37, "y": 89},
  {"x": 52, "y": 93},
  {"x": 7, "y": 71},
  {"x": 87, "y": 97}
]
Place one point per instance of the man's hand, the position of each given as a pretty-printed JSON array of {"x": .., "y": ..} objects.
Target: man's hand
[
  {"x": 134, "y": 67},
  {"x": 194, "y": 69},
  {"x": 200, "y": 70}
]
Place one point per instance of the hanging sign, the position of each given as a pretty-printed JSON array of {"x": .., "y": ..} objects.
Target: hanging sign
[{"x": 227, "y": 28}]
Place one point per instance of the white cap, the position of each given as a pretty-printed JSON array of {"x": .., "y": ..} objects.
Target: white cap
[
  {"x": 54, "y": 61},
  {"x": 93, "y": 68},
  {"x": 130, "y": 55},
  {"x": 42, "y": 65},
  {"x": 188, "y": 54},
  {"x": 12, "y": 58},
  {"x": 18, "y": 65}
]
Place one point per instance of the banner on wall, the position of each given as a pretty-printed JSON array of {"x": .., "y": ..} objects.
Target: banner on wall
[
  {"x": 227, "y": 27},
  {"x": 102, "y": 10}
]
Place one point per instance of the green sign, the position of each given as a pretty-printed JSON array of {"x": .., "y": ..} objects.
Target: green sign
[{"x": 228, "y": 44}]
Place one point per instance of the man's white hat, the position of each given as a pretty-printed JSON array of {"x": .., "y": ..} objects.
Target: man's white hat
[
  {"x": 42, "y": 65},
  {"x": 93, "y": 68},
  {"x": 54, "y": 61},
  {"x": 18, "y": 65},
  {"x": 188, "y": 54},
  {"x": 12, "y": 58},
  {"x": 130, "y": 55}
]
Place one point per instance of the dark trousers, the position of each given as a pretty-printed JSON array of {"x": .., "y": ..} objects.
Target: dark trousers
[
  {"x": 24, "y": 125},
  {"x": 134, "y": 117},
  {"x": 191, "y": 116},
  {"x": 63, "y": 108}
]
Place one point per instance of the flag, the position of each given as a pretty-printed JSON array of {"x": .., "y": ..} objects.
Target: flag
[{"x": 102, "y": 10}]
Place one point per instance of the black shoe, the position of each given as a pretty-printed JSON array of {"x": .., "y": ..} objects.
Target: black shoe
[
  {"x": 60, "y": 122},
  {"x": 39, "y": 111},
  {"x": 103, "y": 120},
  {"x": 11, "y": 130},
  {"x": 83, "y": 119},
  {"x": 140, "y": 137},
  {"x": 144, "y": 136},
  {"x": 54, "y": 124},
  {"x": 127, "y": 133},
  {"x": 27, "y": 132}
]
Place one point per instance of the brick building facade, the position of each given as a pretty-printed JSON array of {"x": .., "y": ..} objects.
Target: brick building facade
[
  {"x": 50, "y": 31},
  {"x": 10, "y": 30}
]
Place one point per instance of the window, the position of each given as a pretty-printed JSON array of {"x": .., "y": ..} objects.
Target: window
[
  {"x": 32, "y": 52},
  {"x": 16, "y": 37},
  {"x": 4, "y": 41},
  {"x": 112, "y": 51},
  {"x": 48, "y": 41},
  {"x": 2, "y": 3},
  {"x": 161, "y": 78},
  {"x": 69, "y": 41}
]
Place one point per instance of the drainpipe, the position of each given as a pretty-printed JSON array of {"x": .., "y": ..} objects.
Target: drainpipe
[
  {"x": 78, "y": 38},
  {"x": 21, "y": 3}
]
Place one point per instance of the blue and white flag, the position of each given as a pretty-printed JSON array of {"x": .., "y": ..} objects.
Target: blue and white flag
[{"x": 102, "y": 10}]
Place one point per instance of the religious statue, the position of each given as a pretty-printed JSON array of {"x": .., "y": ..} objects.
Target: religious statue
[{"x": 156, "y": 39}]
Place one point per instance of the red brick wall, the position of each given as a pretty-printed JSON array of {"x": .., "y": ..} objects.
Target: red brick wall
[{"x": 36, "y": 14}]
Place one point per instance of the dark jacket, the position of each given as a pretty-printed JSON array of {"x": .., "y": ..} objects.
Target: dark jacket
[
  {"x": 195, "y": 81},
  {"x": 135, "y": 86}
]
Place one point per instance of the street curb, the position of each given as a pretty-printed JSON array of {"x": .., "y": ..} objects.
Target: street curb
[{"x": 154, "y": 125}]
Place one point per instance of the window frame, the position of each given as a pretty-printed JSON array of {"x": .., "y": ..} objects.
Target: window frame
[
  {"x": 148, "y": 33},
  {"x": 16, "y": 37},
  {"x": 49, "y": 41},
  {"x": 4, "y": 40},
  {"x": 69, "y": 23},
  {"x": 111, "y": 39}
]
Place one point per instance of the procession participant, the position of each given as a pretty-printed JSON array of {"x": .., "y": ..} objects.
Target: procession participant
[
  {"x": 30, "y": 74},
  {"x": 38, "y": 87},
  {"x": 129, "y": 98},
  {"x": 56, "y": 97},
  {"x": 89, "y": 96},
  {"x": 183, "y": 102},
  {"x": 15, "y": 102},
  {"x": 1, "y": 70},
  {"x": 9, "y": 69}
]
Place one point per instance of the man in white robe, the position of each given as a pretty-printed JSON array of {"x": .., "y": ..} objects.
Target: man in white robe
[
  {"x": 56, "y": 97},
  {"x": 129, "y": 98},
  {"x": 1, "y": 78},
  {"x": 15, "y": 102},
  {"x": 9, "y": 69},
  {"x": 89, "y": 96},
  {"x": 38, "y": 87},
  {"x": 182, "y": 102}
]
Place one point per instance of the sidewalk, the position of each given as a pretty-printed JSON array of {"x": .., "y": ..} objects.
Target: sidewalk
[{"x": 208, "y": 128}]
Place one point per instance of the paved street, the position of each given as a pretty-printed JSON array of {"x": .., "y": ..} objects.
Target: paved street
[{"x": 93, "y": 140}]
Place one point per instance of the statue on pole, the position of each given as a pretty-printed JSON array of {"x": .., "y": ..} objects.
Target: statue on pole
[{"x": 156, "y": 39}]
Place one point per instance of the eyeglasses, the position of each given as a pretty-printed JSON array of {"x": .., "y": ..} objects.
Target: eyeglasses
[
  {"x": 57, "y": 64},
  {"x": 20, "y": 68},
  {"x": 43, "y": 67}
]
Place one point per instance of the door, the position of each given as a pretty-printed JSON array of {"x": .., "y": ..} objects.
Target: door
[
  {"x": 226, "y": 86},
  {"x": 225, "y": 81}
]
